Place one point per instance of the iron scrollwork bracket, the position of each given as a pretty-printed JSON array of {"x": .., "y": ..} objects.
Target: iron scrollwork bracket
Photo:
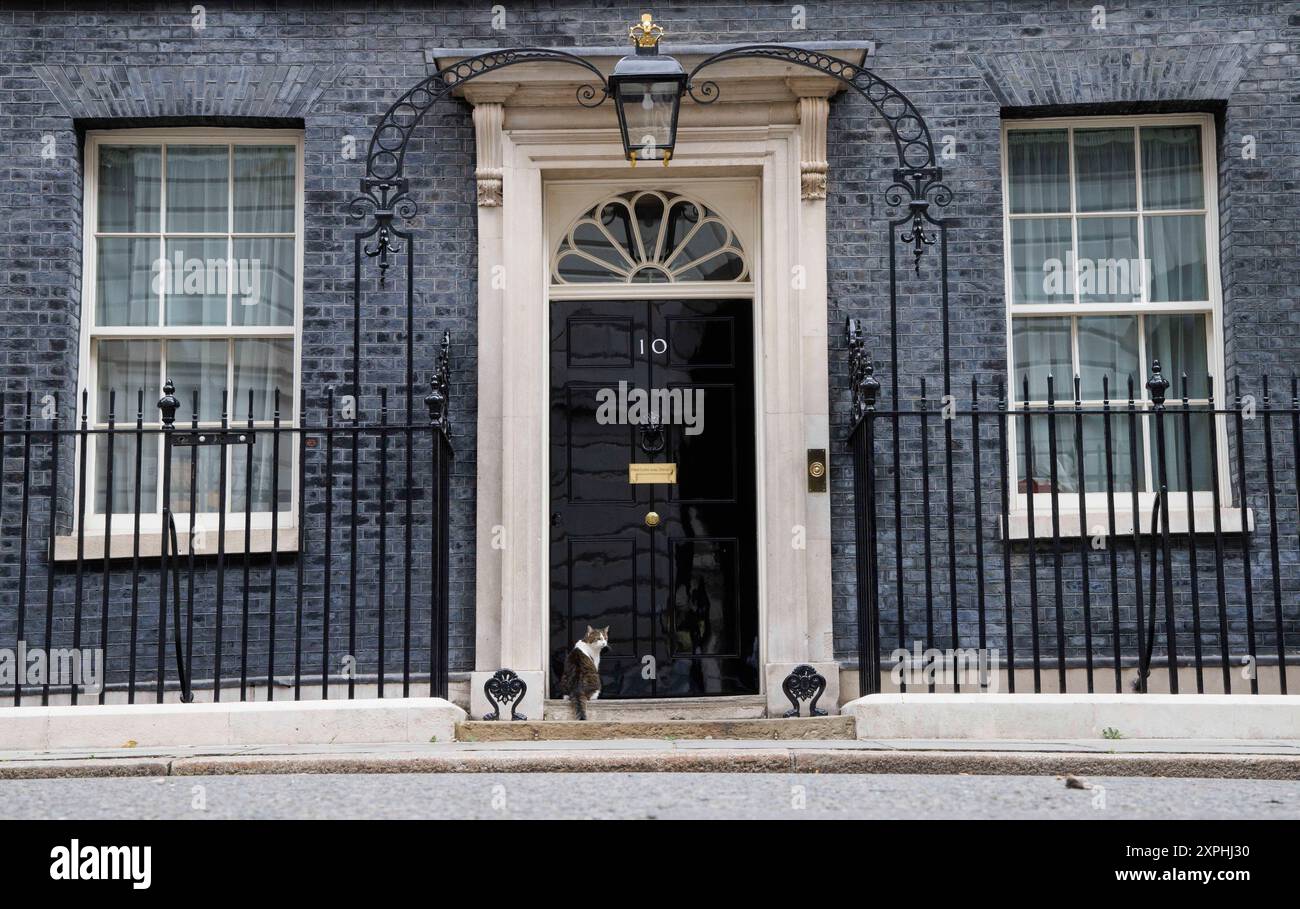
[
  {"x": 802, "y": 684},
  {"x": 918, "y": 188},
  {"x": 385, "y": 199},
  {"x": 917, "y": 178},
  {"x": 504, "y": 686}
]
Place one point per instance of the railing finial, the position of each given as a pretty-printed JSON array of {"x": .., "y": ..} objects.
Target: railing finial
[
  {"x": 1157, "y": 385},
  {"x": 168, "y": 404}
]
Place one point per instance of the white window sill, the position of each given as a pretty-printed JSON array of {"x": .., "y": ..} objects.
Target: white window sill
[
  {"x": 122, "y": 546},
  {"x": 1099, "y": 521}
]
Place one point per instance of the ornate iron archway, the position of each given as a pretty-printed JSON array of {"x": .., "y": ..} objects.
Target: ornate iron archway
[{"x": 917, "y": 182}]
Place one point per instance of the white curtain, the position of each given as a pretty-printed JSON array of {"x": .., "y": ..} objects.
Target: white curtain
[{"x": 197, "y": 189}]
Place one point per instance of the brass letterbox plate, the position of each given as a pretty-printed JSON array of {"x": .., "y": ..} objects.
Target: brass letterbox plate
[{"x": 652, "y": 473}]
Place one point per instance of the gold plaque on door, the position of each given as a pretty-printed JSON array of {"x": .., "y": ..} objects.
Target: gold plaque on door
[{"x": 652, "y": 473}]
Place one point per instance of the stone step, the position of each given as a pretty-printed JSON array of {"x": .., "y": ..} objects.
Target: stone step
[
  {"x": 749, "y": 707},
  {"x": 806, "y": 728}
]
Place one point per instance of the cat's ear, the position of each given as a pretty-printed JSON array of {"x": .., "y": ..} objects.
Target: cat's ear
[
  {"x": 589, "y": 629},
  {"x": 605, "y": 631}
]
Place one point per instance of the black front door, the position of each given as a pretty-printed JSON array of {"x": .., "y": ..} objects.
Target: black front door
[{"x": 670, "y": 567}]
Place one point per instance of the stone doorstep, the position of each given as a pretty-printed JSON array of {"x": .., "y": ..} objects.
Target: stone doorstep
[{"x": 805, "y": 728}]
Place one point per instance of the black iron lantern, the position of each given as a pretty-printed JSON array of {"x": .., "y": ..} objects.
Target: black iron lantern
[{"x": 647, "y": 90}]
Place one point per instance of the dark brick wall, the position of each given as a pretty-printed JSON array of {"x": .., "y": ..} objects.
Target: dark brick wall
[{"x": 336, "y": 66}]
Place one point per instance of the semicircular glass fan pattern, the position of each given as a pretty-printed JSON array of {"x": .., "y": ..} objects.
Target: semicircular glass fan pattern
[{"x": 649, "y": 237}]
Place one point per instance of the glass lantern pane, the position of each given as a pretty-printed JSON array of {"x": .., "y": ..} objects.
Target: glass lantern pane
[{"x": 649, "y": 109}]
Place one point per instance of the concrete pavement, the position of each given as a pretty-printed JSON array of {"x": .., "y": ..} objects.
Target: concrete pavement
[{"x": 793, "y": 796}]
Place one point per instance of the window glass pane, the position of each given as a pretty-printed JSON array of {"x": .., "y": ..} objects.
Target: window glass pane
[
  {"x": 1040, "y": 259},
  {"x": 1171, "y": 167},
  {"x": 264, "y": 186},
  {"x": 264, "y": 364},
  {"x": 1108, "y": 346},
  {"x": 1105, "y": 168},
  {"x": 711, "y": 237},
  {"x": 129, "y": 186},
  {"x": 204, "y": 461},
  {"x": 1178, "y": 342},
  {"x": 1109, "y": 268},
  {"x": 124, "y": 281},
  {"x": 197, "y": 366},
  {"x": 194, "y": 279},
  {"x": 1176, "y": 248},
  {"x": 649, "y": 221},
  {"x": 1066, "y": 479},
  {"x": 124, "y": 474},
  {"x": 1122, "y": 443},
  {"x": 263, "y": 276},
  {"x": 264, "y": 480},
  {"x": 725, "y": 266},
  {"x": 575, "y": 269},
  {"x": 1178, "y": 423},
  {"x": 589, "y": 238},
  {"x": 1042, "y": 348},
  {"x": 197, "y": 194},
  {"x": 126, "y": 367},
  {"x": 1067, "y": 455},
  {"x": 1038, "y": 164}
]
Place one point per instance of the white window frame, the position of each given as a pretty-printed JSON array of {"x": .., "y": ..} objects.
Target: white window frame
[
  {"x": 1096, "y": 502},
  {"x": 151, "y": 522}
]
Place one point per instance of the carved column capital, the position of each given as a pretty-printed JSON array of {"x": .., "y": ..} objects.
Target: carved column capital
[
  {"x": 813, "y": 110},
  {"x": 489, "y": 117}
]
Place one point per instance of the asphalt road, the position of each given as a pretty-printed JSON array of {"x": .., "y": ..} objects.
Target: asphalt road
[{"x": 644, "y": 795}]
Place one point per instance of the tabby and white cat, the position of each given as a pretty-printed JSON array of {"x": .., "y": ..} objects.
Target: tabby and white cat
[{"x": 581, "y": 679}]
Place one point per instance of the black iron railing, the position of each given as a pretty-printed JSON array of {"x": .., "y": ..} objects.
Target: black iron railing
[
  {"x": 305, "y": 559},
  {"x": 1140, "y": 535}
]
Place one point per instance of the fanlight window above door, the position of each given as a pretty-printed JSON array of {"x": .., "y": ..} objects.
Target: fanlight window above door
[{"x": 649, "y": 237}]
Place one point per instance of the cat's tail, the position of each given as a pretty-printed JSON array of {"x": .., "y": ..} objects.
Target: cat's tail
[{"x": 579, "y": 705}]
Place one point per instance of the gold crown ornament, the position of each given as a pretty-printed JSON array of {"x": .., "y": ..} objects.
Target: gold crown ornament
[{"x": 647, "y": 32}]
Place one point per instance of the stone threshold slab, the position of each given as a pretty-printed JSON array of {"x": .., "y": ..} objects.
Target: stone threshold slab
[{"x": 827, "y": 727}]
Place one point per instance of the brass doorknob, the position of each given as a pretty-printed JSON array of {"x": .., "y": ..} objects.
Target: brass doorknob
[{"x": 652, "y": 519}]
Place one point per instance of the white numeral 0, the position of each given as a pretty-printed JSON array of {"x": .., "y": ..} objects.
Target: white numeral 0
[{"x": 658, "y": 345}]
